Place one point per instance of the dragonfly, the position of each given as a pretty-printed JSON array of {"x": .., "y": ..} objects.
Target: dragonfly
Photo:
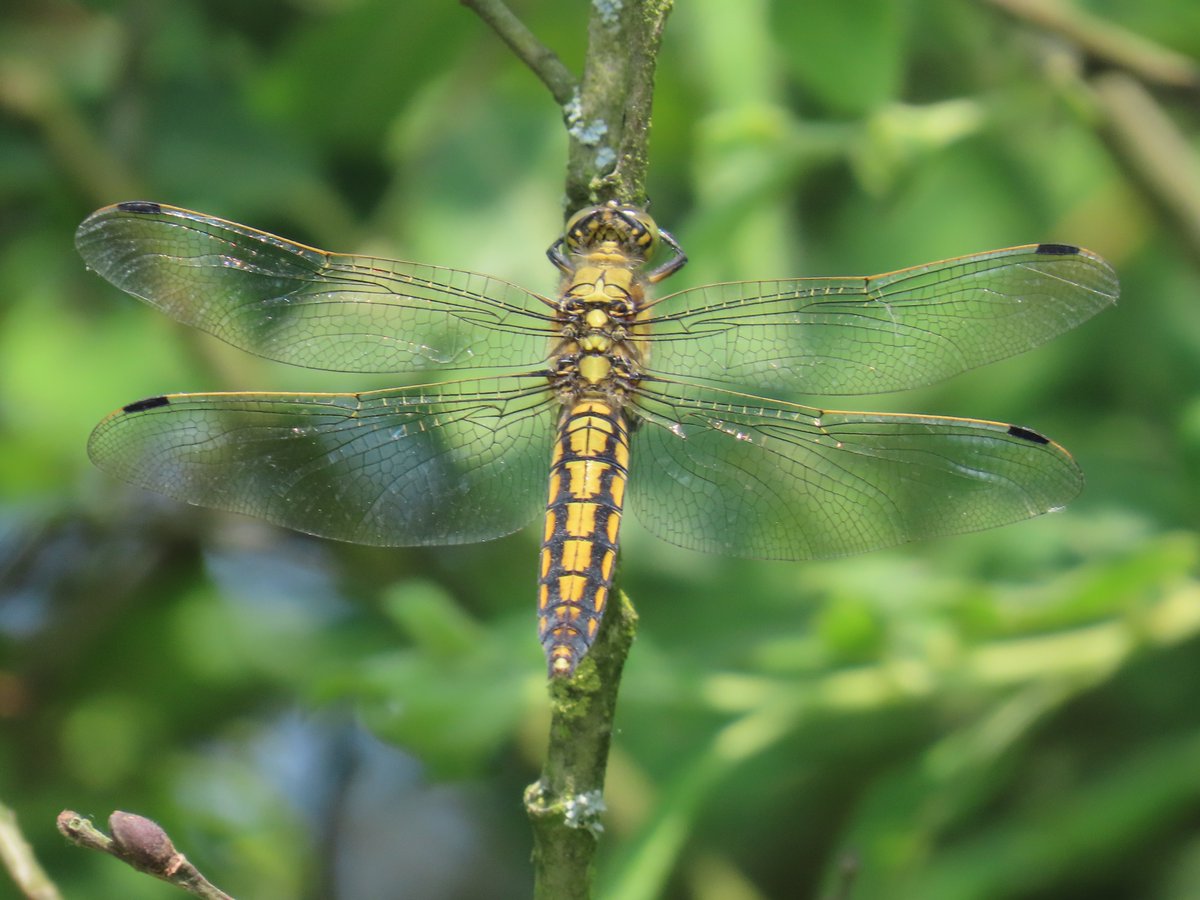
[{"x": 600, "y": 389}]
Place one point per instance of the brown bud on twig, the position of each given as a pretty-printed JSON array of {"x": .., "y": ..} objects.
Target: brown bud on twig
[{"x": 143, "y": 843}]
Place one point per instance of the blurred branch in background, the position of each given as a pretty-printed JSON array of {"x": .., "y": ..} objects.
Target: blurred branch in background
[
  {"x": 30, "y": 89},
  {"x": 20, "y": 863},
  {"x": 1106, "y": 42},
  {"x": 1154, "y": 152},
  {"x": 1141, "y": 136}
]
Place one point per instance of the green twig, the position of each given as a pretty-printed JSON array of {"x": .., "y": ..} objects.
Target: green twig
[
  {"x": 543, "y": 61},
  {"x": 141, "y": 844}
]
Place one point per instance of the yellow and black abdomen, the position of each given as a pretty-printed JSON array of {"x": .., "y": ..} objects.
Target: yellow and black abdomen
[{"x": 583, "y": 519}]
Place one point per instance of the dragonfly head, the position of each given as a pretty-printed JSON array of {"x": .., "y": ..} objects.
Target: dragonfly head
[{"x": 626, "y": 229}]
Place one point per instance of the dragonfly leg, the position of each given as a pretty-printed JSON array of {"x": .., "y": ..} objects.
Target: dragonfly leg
[
  {"x": 555, "y": 254},
  {"x": 676, "y": 262}
]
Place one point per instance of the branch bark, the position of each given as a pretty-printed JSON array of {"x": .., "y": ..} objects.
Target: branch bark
[
  {"x": 609, "y": 127},
  {"x": 607, "y": 114},
  {"x": 565, "y": 804}
]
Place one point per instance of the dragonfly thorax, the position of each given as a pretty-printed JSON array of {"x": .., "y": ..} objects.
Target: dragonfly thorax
[
  {"x": 597, "y": 312},
  {"x": 604, "y": 291}
]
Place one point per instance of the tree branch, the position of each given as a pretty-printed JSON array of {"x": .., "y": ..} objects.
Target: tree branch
[
  {"x": 543, "y": 61},
  {"x": 608, "y": 115},
  {"x": 565, "y": 804},
  {"x": 141, "y": 844},
  {"x": 609, "y": 127}
]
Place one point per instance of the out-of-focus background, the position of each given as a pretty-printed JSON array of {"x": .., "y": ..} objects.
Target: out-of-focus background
[{"x": 1011, "y": 714}]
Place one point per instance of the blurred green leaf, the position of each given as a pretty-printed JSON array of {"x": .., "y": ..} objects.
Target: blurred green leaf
[
  {"x": 456, "y": 696},
  {"x": 849, "y": 55}
]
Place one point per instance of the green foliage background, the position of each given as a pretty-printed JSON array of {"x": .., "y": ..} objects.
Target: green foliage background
[{"x": 1003, "y": 715}]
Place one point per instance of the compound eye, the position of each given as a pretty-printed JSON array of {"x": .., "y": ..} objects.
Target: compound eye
[
  {"x": 581, "y": 228},
  {"x": 584, "y": 213}
]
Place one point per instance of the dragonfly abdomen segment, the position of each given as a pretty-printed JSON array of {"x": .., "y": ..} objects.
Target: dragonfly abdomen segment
[{"x": 583, "y": 518}]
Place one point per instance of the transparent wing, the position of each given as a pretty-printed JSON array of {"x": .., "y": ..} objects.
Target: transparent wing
[
  {"x": 821, "y": 336},
  {"x": 738, "y": 475},
  {"x": 308, "y": 307},
  {"x": 435, "y": 464}
]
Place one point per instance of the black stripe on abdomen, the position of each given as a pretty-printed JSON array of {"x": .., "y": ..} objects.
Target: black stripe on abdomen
[{"x": 583, "y": 520}]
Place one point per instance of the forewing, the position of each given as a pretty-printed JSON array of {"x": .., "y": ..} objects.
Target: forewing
[
  {"x": 738, "y": 475},
  {"x": 439, "y": 464},
  {"x": 308, "y": 307},
  {"x": 822, "y": 336}
]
